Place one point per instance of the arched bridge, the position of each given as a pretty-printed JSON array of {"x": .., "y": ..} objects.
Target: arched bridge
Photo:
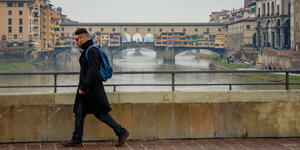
[{"x": 168, "y": 52}]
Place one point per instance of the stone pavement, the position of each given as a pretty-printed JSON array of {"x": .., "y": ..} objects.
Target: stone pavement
[{"x": 195, "y": 144}]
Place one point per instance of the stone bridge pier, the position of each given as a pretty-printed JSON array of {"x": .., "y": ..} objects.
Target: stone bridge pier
[{"x": 168, "y": 53}]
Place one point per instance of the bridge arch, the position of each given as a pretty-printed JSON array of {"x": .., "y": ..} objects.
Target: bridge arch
[
  {"x": 149, "y": 38},
  {"x": 137, "y": 38},
  {"x": 126, "y": 38}
]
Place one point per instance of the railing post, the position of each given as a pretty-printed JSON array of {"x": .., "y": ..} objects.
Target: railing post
[
  {"x": 230, "y": 87},
  {"x": 114, "y": 88},
  {"x": 173, "y": 81},
  {"x": 55, "y": 82},
  {"x": 287, "y": 82}
]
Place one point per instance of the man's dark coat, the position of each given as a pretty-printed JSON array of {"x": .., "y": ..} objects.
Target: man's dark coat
[{"x": 94, "y": 100}]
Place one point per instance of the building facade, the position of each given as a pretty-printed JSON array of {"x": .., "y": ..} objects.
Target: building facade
[
  {"x": 295, "y": 25},
  {"x": 31, "y": 24},
  {"x": 241, "y": 33},
  {"x": 46, "y": 26},
  {"x": 55, "y": 29},
  {"x": 16, "y": 25},
  {"x": 107, "y": 39},
  {"x": 273, "y": 26},
  {"x": 26, "y": 23},
  {"x": 130, "y": 30},
  {"x": 227, "y": 16}
]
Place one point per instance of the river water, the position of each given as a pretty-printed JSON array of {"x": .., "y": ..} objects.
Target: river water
[{"x": 132, "y": 60}]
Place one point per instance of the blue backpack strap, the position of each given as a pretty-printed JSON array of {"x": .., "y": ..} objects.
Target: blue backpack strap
[{"x": 86, "y": 53}]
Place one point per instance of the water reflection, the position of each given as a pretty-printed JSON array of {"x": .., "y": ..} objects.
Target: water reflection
[{"x": 132, "y": 60}]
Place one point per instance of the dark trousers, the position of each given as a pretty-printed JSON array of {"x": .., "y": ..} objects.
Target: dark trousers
[{"x": 106, "y": 118}]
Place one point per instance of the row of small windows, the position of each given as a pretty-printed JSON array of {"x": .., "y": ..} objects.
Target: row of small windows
[
  {"x": 267, "y": 11},
  {"x": 248, "y": 27},
  {"x": 149, "y": 30},
  {"x": 10, "y": 21},
  {"x": 15, "y": 36},
  {"x": 10, "y": 12},
  {"x": 185, "y": 43},
  {"x": 15, "y": 4},
  {"x": 10, "y": 29}
]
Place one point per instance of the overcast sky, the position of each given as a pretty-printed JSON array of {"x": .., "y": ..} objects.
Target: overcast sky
[{"x": 143, "y": 10}]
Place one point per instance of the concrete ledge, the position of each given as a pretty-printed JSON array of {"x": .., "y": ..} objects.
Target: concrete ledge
[
  {"x": 155, "y": 115},
  {"x": 156, "y": 97}
]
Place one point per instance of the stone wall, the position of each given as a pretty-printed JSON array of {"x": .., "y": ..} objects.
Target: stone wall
[
  {"x": 283, "y": 59},
  {"x": 155, "y": 115}
]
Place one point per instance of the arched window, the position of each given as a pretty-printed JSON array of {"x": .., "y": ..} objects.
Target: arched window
[
  {"x": 278, "y": 9},
  {"x": 289, "y": 8},
  {"x": 264, "y": 10},
  {"x": 268, "y": 9},
  {"x": 272, "y": 9}
]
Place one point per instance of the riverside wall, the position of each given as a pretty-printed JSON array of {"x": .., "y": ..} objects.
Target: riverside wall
[{"x": 155, "y": 115}]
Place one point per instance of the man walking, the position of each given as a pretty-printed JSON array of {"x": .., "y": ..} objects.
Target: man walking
[{"x": 91, "y": 97}]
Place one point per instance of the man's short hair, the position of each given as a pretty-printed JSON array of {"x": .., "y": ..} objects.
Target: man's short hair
[{"x": 82, "y": 31}]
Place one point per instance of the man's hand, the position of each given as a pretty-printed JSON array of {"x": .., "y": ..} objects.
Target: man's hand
[{"x": 80, "y": 92}]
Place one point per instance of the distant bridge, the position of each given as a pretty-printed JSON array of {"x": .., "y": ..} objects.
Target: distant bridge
[{"x": 168, "y": 53}]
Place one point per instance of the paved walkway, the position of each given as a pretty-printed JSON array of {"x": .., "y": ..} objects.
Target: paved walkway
[{"x": 199, "y": 144}]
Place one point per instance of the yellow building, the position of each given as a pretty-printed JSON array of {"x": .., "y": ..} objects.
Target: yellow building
[
  {"x": 55, "y": 29},
  {"x": 219, "y": 42},
  {"x": 16, "y": 24},
  {"x": 45, "y": 26},
  {"x": 105, "y": 38}
]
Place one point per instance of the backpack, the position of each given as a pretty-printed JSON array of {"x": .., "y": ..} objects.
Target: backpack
[{"x": 105, "y": 71}]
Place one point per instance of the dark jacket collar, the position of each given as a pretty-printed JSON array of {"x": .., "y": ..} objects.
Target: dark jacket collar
[{"x": 87, "y": 44}]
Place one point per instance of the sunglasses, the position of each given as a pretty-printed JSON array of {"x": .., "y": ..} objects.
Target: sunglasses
[{"x": 78, "y": 39}]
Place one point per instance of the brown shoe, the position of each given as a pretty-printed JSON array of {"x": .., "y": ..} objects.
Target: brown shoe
[
  {"x": 71, "y": 144},
  {"x": 122, "y": 140}
]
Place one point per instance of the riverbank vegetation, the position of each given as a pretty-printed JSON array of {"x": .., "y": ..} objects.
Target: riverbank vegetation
[
  {"x": 222, "y": 63},
  {"x": 20, "y": 67}
]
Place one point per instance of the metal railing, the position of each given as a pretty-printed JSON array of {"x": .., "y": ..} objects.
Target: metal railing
[{"x": 172, "y": 73}]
